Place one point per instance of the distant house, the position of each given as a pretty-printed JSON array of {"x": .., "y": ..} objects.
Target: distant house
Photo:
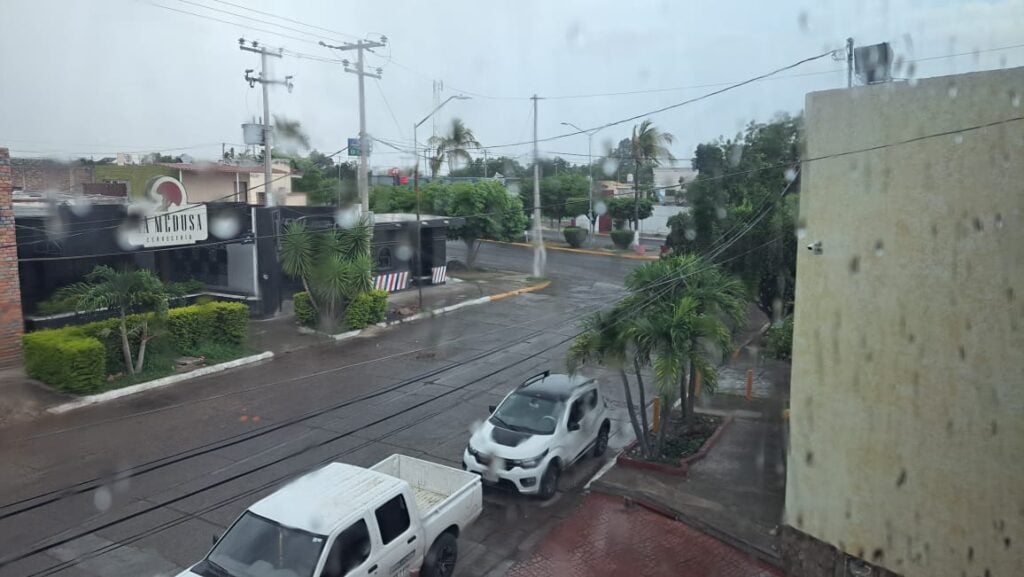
[{"x": 214, "y": 182}]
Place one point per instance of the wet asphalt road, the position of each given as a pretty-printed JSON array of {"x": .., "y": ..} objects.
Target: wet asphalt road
[{"x": 200, "y": 452}]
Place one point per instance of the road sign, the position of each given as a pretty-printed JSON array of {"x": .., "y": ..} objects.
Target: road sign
[{"x": 353, "y": 146}]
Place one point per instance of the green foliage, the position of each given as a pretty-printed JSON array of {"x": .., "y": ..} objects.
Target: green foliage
[
  {"x": 108, "y": 333},
  {"x": 555, "y": 193},
  {"x": 182, "y": 288},
  {"x": 217, "y": 322},
  {"x": 56, "y": 306},
  {"x": 488, "y": 209},
  {"x": 66, "y": 359},
  {"x": 397, "y": 199},
  {"x": 366, "y": 309},
  {"x": 305, "y": 314},
  {"x": 575, "y": 236},
  {"x": 577, "y": 205},
  {"x": 231, "y": 321},
  {"x": 508, "y": 167},
  {"x": 622, "y": 238},
  {"x": 779, "y": 340},
  {"x": 622, "y": 209},
  {"x": 452, "y": 147}
]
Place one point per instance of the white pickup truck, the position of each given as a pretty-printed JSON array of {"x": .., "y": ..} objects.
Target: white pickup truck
[{"x": 400, "y": 517}]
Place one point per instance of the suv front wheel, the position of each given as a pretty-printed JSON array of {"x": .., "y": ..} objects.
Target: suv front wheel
[{"x": 549, "y": 481}]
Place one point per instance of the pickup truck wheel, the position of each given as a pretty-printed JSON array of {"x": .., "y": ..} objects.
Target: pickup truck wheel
[
  {"x": 440, "y": 560},
  {"x": 601, "y": 443},
  {"x": 549, "y": 481}
]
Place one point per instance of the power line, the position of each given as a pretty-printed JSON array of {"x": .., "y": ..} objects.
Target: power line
[
  {"x": 388, "y": 106},
  {"x": 235, "y": 24},
  {"x": 237, "y": 15},
  {"x": 299, "y": 22}
]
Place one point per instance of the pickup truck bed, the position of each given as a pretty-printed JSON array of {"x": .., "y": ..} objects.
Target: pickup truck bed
[{"x": 444, "y": 496}]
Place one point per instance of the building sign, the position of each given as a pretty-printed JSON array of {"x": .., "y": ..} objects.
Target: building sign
[{"x": 169, "y": 220}]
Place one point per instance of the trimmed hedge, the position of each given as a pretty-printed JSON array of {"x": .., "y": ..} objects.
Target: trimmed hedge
[
  {"x": 575, "y": 236},
  {"x": 78, "y": 358},
  {"x": 305, "y": 314},
  {"x": 366, "y": 309},
  {"x": 622, "y": 238},
  {"x": 65, "y": 358}
]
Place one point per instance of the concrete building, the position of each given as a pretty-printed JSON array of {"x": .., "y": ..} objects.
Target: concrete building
[
  {"x": 214, "y": 182},
  {"x": 907, "y": 401}
]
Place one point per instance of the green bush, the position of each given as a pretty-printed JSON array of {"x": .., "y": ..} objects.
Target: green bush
[
  {"x": 218, "y": 322},
  {"x": 305, "y": 314},
  {"x": 575, "y": 236},
  {"x": 779, "y": 340},
  {"x": 56, "y": 306},
  {"x": 108, "y": 333},
  {"x": 180, "y": 289},
  {"x": 622, "y": 238},
  {"x": 65, "y": 358},
  {"x": 366, "y": 309},
  {"x": 231, "y": 322}
]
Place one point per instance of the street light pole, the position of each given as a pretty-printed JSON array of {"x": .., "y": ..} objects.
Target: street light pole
[
  {"x": 590, "y": 170},
  {"x": 416, "y": 187}
]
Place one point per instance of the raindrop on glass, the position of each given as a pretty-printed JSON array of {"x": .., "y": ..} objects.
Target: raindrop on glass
[
  {"x": 735, "y": 154},
  {"x": 225, "y": 225},
  {"x": 79, "y": 206},
  {"x": 574, "y": 36},
  {"x": 124, "y": 240},
  {"x": 953, "y": 91},
  {"x": 1015, "y": 100},
  {"x": 102, "y": 498},
  {"x": 999, "y": 220},
  {"x": 404, "y": 252},
  {"x": 347, "y": 217},
  {"x": 600, "y": 208},
  {"x": 801, "y": 21},
  {"x": 690, "y": 234},
  {"x": 610, "y": 165},
  {"x": 720, "y": 212},
  {"x": 790, "y": 175},
  {"x": 879, "y": 247},
  {"x": 801, "y": 231},
  {"x": 958, "y": 139}
]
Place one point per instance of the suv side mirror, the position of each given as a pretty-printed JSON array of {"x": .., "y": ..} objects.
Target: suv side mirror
[
  {"x": 573, "y": 425},
  {"x": 492, "y": 408}
]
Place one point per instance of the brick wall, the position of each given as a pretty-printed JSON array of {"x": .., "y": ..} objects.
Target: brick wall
[
  {"x": 10, "y": 293},
  {"x": 41, "y": 174}
]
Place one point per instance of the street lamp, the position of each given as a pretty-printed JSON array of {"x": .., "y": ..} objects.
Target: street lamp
[
  {"x": 590, "y": 168},
  {"x": 416, "y": 187}
]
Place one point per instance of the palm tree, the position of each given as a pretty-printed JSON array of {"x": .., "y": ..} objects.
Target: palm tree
[
  {"x": 124, "y": 292},
  {"x": 605, "y": 340},
  {"x": 649, "y": 147},
  {"x": 716, "y": 294},
  {"x": 333, "y": 264},
  {"x": 671, "y": 337},
  {"x": 453, "y": 147}
]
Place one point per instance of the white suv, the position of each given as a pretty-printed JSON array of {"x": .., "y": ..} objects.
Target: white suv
[{"x": 545, "y": 425}]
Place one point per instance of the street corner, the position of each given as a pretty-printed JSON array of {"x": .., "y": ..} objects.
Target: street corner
[{"x": 607, "y": 537}]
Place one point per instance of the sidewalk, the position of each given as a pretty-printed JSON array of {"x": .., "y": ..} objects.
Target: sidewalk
[{"x": 606, "y": 538}]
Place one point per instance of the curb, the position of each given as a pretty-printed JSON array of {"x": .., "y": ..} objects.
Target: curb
[
  {"x": 156, "y": 383},
  {"x": 651, "y": 504},
  {"x": 683, "y": 468},
  {"x": 578, "y": 250}
]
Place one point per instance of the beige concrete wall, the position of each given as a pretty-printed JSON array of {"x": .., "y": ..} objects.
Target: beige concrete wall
[
  {"x": 280, "y": 184},
  {"x": 907, "y": 408},
  {"x": 210, "y": 186}
]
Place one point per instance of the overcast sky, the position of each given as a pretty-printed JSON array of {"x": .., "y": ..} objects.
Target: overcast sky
[{"x": 95, "y": 78}]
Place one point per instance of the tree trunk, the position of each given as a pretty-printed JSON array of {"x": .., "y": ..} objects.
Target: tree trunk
[
  {"x": 126, "y": 347},
  {"x": 312, "y": 302},
  {"x": 643, "y": 397},
  {"x": 683, "y": 399},
  {"x": 641, "y": 435},
  {"x": 666, "y": 412},
  {"x": 691, "y": 391},
  {"x": 139, "y": 362}
]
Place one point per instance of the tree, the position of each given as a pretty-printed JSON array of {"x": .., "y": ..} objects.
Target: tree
[
  {"x": 124, "y": 292},
  {"x": 605, "y": 340},
  {"x": 508, "y": 167},
  {"x": 623, "y": 209},
  {"x": 334, "y": 265},
  {"x": 649, "y": 148},
  {"x": 488, "y": 209},
  {"x": 555, "y": 192},
  {"x": 453, "y": 147},
  {"x": 715, "y": 293}
]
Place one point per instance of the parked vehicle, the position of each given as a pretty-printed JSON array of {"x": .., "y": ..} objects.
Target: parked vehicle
[
  {"x": 542, "y": 427},
  {"x": 398, "y": 517}
]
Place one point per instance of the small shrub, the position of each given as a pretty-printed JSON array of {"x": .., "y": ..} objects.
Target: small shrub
[
  {"x": 366, "y": 309},
  {"x": 56, "y": 305},
  {"x": 230, "y": 322},
  {"x": 622, "y": 238},
  {"x": 65, "y": 358},
  {"x": 189, "y": 326},
  {"x": 575, "y": 236},
  {"x": 305, "y": 314},
  {"x": 779, "y": 340},
  {"x": 180, "y": 289},
  {"x": 108, "y": 333}
]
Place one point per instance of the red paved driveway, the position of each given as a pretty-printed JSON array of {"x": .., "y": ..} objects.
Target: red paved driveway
[{"x": 605, "y": 538}]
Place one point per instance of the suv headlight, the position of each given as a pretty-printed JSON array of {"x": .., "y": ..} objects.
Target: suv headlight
[{"x": 528, "y": 463}]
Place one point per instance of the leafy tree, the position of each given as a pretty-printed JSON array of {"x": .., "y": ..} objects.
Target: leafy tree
[
  {"x": 622, "y": 209},
  {"x": 555, "y": 192},
  {"x": 125, "y": 292},
  {"x": 649, "y": 148},
  {"x": 508, "y": 167},
  {"x": 453, "y": 147},
  {"x": 488, "y": 209},
  {"x": 577, "y": 205},
  {"x": 334, "y": 265}
]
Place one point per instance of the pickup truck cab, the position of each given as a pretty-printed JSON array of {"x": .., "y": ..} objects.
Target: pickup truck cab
[
  {"x": 542, "y": 427},
  {"x": 400, "y": 517}
]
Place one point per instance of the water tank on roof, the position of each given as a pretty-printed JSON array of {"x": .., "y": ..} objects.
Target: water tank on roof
[{"x": 252, "y": 133}]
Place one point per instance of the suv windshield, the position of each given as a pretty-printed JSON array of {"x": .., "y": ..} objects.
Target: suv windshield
[
  {"x": 258, "y": 547},
  {"x": 529, "y": 414}
]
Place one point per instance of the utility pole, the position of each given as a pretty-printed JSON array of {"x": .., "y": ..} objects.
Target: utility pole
[
  {"x": 360, "y": 71},
  {"x": 849, "y": 62},
  {"x": 590, "y": 170},
  {"x": 267, "y": 130},
  {"x": 485, "y": 163},
  {"x": 539, "y": 257}
]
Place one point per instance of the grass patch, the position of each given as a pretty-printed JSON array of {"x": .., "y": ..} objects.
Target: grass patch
[
  {"x": 680, "y": 443},
  {"x": 161, "y": 363}
]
